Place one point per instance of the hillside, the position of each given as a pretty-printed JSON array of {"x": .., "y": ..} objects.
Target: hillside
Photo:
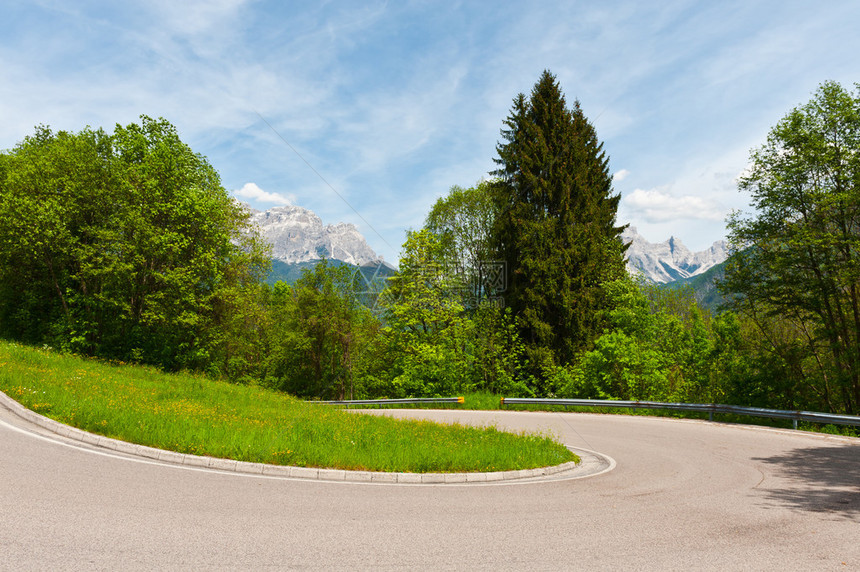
[
  {"x": 704, "y": 286},
  {"x": 373, "y": 274}
]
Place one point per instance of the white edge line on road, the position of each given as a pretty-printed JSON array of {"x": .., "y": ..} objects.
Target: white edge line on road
[{"x": 208, "y": 470}]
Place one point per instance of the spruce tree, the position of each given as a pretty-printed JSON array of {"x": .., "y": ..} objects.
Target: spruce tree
[{"x": 556, "y": 227}]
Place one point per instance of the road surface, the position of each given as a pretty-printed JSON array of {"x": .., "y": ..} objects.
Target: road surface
[{"x": 683, "y": 495}]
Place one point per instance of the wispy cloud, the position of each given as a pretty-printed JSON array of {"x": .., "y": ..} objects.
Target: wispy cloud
[{"x": 392, "y": 103}]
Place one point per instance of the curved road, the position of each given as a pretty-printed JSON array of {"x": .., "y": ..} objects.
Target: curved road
[{"x": 684, "y": 495}]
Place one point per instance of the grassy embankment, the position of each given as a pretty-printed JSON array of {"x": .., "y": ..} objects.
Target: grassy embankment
[{"x": 196, "y": 415}]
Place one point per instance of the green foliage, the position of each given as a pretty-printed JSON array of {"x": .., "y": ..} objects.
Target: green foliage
[
  {"x": 556, "y": 224},
  {"x": 658, "y": 346},
  {"x": 317, "y": 333},
  {"x": 431, "y": 345},
  {"x": 779, "y": 367},
  {"x": 463, "y": 222},
  {"x": 798, "y": 257},
  {"x": 499, "y": 353},
  {"x": 125, "y": 245},
  {"x": 372, "y": 275},
  {"x": 426, "y": 330},
  {"x": 122, "y": 245}
]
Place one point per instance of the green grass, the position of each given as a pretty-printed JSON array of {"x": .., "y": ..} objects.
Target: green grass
[{"x": 196, "y": 415}]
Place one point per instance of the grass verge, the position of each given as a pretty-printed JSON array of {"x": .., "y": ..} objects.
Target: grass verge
[{"x": 195, "y": 415}]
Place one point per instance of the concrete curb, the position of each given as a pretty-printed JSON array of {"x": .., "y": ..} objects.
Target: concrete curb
[{"x": 592, "y": 463}]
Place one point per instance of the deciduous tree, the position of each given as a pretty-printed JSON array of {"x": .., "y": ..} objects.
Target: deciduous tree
[
  {"x": 426, "y": 332},
  {"x": 317, "y": 333},
  {"x": 463, "y": 222},
  {"x": 798, "y": 254},
  {"x": 123, "y": 246}
]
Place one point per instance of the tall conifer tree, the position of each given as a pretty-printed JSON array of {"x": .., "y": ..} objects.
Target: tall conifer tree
[{"x": 557, "y": 224}]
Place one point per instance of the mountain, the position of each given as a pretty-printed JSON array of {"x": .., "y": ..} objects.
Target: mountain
[
  {"x": 299, "y": 240},
  {"x": 297, "y": 235},
  {"x": 670, "y": 260}
]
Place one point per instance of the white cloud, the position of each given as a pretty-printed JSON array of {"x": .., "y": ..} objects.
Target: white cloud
[
  {"x": 253, "y": 192},
  {"x": 620, "y": 175},
  {"x": 654, "y": 205}
]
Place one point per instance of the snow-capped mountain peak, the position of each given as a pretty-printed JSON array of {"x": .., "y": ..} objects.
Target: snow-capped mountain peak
[
  {"x": 297, "y": 235},
  {"x": 669, "y": 260}
]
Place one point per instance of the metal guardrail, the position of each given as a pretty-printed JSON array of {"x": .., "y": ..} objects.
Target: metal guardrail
[
  {"x": 394, "y": 401},
  {"x": 709, "y": 408}
]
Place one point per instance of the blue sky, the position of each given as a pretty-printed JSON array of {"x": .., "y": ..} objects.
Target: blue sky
[{"x": 392, "y": 103}]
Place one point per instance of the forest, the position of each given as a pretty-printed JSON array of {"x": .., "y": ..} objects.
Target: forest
[{"x": 124, "y": 246}]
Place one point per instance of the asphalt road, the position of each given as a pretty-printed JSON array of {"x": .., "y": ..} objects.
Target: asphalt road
[{"x": 683, "y": 495}]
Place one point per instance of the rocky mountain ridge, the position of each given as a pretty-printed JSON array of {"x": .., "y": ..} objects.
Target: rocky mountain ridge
[
  {"x": 670, "y": 260},
  {"x": 298, "y": 235}
]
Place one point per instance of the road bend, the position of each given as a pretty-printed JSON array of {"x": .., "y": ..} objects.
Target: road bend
[{"x": 683, "y": 495}]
